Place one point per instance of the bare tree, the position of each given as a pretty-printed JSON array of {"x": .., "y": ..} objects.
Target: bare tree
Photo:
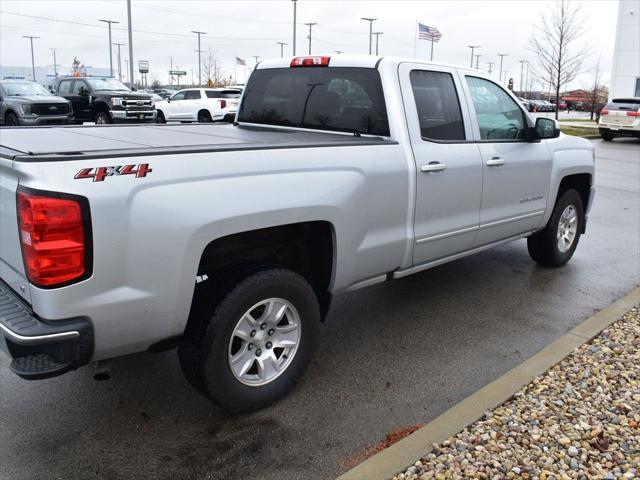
[
  {"x": 211, "y": 68},
  {"x": 553, "y": 42},
  {"x": 598, "y": 91}
]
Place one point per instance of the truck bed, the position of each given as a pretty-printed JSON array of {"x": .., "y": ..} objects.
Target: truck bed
[{"x": 73, "y": 143}]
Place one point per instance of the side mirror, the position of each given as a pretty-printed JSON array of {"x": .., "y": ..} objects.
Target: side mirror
[
  {"x": 547, "y": 128},
  {"x": 83, "y": 92},
  {"x": 168, "y": 99}
]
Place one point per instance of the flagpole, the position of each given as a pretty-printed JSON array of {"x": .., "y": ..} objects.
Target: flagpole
[
  {"x": 431, "y": 50},
  {"x": 415, "y": 40}
]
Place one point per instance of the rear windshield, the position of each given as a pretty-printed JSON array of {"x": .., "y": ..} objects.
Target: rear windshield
[
  {"x": 336, "y": 98},
  {"x": 223, "y": 94},
  {"x": 630, "y": 104}
]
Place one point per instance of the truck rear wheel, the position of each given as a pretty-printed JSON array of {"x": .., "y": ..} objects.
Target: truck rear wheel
[
  {"x": 554, "y": 246},
  {"x": 256, "y": 344},
  {"x": 606, "y": 135}
]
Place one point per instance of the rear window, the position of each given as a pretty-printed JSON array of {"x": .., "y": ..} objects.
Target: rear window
[
  {"x": 629, "y": 104},
  {"x": 339, "y": 98},
  {"x": 223, "y": 94}
]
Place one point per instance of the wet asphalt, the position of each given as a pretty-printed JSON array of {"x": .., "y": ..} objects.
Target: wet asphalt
[{"x": 390, "y": 356}]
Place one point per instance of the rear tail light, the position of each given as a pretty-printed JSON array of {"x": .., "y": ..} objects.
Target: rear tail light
[
  {"x": 223, "y": 104},
  {"x": 633, "y": 114},
  {"x": 310, "y": 62},
  {"x": 55, "y": 237},
  {"x": 604, "y": 112}
]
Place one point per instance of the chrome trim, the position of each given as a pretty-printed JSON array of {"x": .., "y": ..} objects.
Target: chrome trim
[
  {"x": 38, "y": 338},
  {"x": 435, "y": 263},
  {"x": 367, "y": 282},
  {"x": 512, "y": 219},
  {"x": 433, "y": 167},
  {"x": 445, "y": 235},
  {"x": 494, "y": 162}
]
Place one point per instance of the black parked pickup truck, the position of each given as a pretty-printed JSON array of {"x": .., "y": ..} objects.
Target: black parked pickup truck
[
  {"x": 105, "y": 100},
  {"x": 27, "y": 103}
]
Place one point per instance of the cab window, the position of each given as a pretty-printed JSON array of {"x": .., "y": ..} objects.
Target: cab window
[
  {"x": 78, "y": 86},
  {"x": 438, "y": 105},
  {"x": 64, "y": 88},
  {"x": 499, "y": 116}
]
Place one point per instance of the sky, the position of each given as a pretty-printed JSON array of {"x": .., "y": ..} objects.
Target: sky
[{"x": 242, "y": 28}]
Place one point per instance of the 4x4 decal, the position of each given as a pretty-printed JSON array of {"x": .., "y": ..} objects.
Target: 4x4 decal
[{"x": 98, "y": 174}]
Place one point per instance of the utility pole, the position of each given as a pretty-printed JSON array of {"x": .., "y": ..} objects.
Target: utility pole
[
  {"x": 33, "y": 63},
  {"x": 502, "y": 55},
  {"x": 282, "y": 44},
  {"x": 170, "y": 70},
  {"x": 522, "y": 62},
  {"x": 257, "y": 57},
  {"x": 126, "y": 66},
  {"x": 55, "y": 63},
  {"x": 370, "y": 20},
  {"x": 295, "y": 5},
  {"x": 490, "y": 65},
  {"x": 109, "y": 22},
  {"x": 377, "y": 34},
  {"x": 199, "y": 52},
  {"x": 131, "y": 77},
  {"x": 477, "y": 60},
  {"x": 119, "y": 61},
  {"x": 310, "y": 25},
  {"x": 527, "y": 84},
  {"x": 338, "y": 51},
  {"x": 472, "y": 47}
]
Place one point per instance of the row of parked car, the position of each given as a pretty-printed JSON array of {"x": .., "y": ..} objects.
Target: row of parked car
[
  {"x": 104, "y": 100},
  {"x": 539, "y": 105}
]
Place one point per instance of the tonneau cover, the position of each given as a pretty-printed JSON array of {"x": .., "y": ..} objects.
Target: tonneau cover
[{"x": 59, "y": 143}]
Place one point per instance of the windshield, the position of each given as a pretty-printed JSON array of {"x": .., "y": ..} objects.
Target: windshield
[
  {"x": 110, "y": 84},
  {"x": 26, "y": 88},
  {"x": 324, "y": 98}
]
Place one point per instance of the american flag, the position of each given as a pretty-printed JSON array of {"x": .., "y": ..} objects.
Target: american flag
[
  {"x": 428, "y": 33},
  {"x": 241, "y": 61}
]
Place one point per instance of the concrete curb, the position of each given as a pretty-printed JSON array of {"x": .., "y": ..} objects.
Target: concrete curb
[{"x": 397, "y": 457}]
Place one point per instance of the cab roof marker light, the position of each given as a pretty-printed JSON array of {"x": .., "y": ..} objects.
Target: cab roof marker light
[{"x": 310, "y": 61}]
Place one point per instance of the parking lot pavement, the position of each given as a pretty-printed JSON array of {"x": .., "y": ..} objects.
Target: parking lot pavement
[{"x": 390, "y": 356}]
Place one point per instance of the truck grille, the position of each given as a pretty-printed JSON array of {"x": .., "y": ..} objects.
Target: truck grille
[
  {"x": 50, "y": 108},
  {"x": 134, "y": 104}
]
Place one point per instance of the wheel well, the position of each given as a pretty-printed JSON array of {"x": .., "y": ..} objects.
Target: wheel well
[
  {"x": 100, "y": 107},
  {"x": 205, "y": 111},
  {"x": 580, "y": 182},
  {"x": 306, "y": 248},
  {"x": 9, "y": 111}
]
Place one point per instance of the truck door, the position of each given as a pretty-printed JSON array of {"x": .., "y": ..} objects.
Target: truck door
[
  {"x": 79, "y": 97},
  {"x": 448, "y": 166},
  {"x": 516, "y": 171}
]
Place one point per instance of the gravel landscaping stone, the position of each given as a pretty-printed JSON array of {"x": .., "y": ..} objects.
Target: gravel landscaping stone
[{"x": 580, "y": 420}]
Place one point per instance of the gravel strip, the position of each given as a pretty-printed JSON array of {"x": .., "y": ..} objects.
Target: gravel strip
[{"x": 579, "y": 420}]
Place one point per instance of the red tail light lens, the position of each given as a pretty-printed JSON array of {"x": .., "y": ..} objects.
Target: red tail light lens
[
  {"x": 223, "y": 104},
  {"x": 604, "y": 112},
  {"x": 54, "y": 238},
  {"x": 633, "y": 114},
  {"x": 310, "y": 62}
]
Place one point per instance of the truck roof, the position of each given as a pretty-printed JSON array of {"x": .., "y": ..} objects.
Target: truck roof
[{"x": 110, "y": 141}]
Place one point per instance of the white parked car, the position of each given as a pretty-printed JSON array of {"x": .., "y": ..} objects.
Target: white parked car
[
  {"x": 231, "y": 96},
  {"x": 195, "y": 105}
]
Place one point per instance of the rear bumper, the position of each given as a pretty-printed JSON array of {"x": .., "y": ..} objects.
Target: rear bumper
[
  {"x": 622, "y": 131},
  {"x": 39, "y": 348}
]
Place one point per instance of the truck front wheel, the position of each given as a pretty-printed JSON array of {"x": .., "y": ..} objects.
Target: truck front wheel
[
  {"x": 256, "y": 344},
  {"x": 102, "y": 118},
  {"x": 554, "y": 246}
]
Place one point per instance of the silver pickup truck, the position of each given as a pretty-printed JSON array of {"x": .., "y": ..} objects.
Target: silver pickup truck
[{"x": 228, "y": 242}]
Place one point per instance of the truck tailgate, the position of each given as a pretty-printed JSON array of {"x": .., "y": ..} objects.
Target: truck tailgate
[{"x": 11, "y": 265}]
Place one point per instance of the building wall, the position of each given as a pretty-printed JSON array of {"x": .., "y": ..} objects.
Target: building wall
[{"x": 625, "y": 73}]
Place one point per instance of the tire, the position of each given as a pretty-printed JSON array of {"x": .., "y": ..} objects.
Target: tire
[
  {"x": 160, "y": 117},
  {"x": 204, "y": 116},
  {"x": 205, "y": 357},
  {"x": 544, "y": 246},
  {"x": 606, "y": 135},
  {"x": 102, "y": 118},
  {"x": 11, "y": 120}
]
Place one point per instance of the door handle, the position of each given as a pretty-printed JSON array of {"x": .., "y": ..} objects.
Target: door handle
[
  {"x": 495, "y": 162},
  {"x": 433, "y": 167}
]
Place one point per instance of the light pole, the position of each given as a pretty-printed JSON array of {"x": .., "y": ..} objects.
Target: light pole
[
  {"x": 377, "y": 34},
  {"x": 310, "y": 25},
  {"x": 55, "y": 63},
  {"x": 472, "y": 47},
  {"x": 490, "y": 65},
  {"x": 126, "y": 66},
  {"x": 257, "y": 57},
  {"x": 338, "y": 51},
  {"x": 119, "y": 60},
  {"x": 170, "y": 70},
  {"x": 477, "y": 61},
  {"x": 370, "y": 20},
  {"x": 33, "y": 63},
  {"x": 282, "y": 44},
  {"x": 130, "y": 28},
  {"x": 199, "y": 52},
  {"x": 522, "y": 62},
  {"x": 502, "y": 55},
  {"x": 109, "y": 22},
  {"x": 295, "y": 5}
]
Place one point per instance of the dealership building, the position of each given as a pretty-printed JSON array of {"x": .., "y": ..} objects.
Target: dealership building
[{"x": 625, "y": 72}]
